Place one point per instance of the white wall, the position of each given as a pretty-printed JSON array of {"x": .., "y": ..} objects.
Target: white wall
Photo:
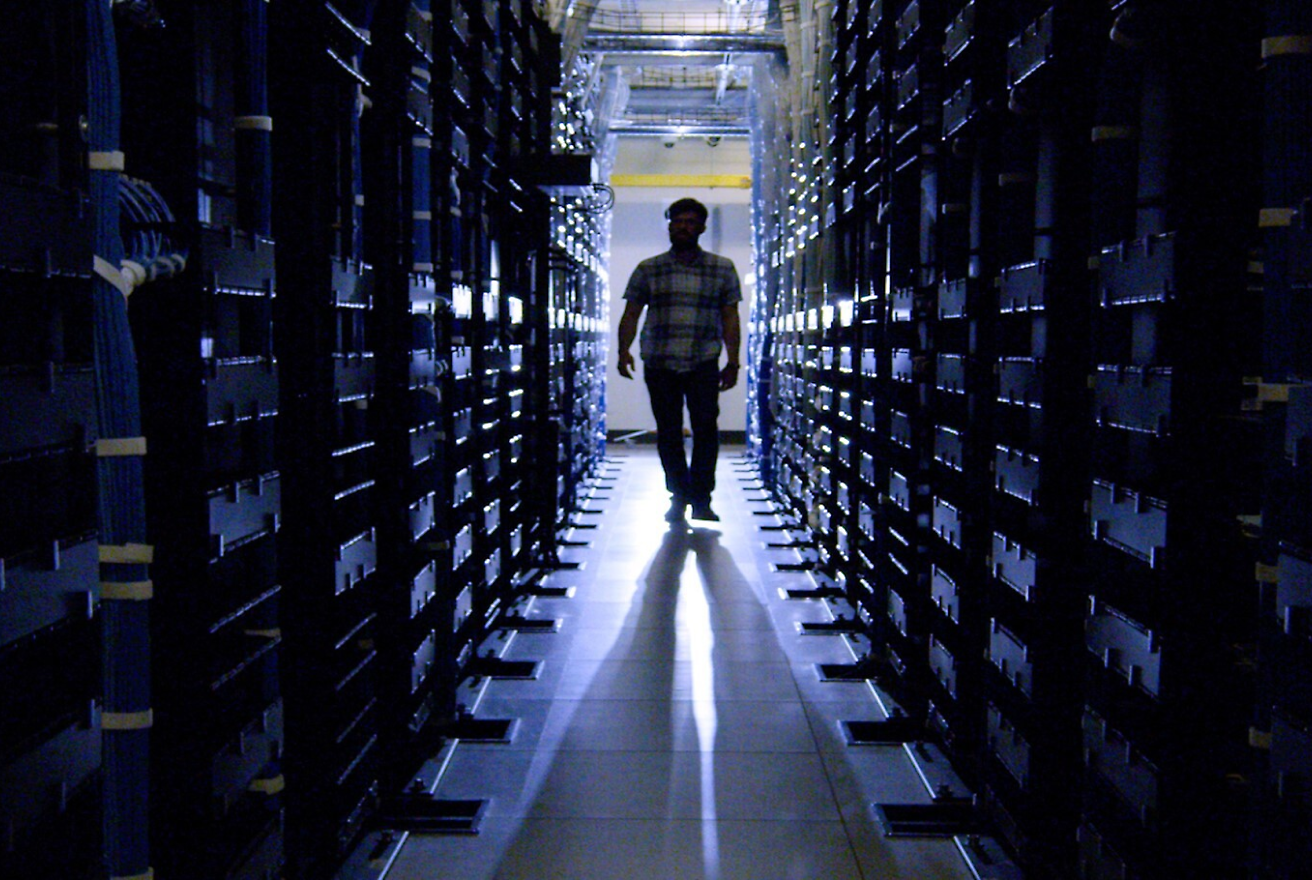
[{"x": 638, "y": 231}]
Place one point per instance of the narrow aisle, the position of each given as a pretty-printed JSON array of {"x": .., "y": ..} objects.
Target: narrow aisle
[{"x": 678, "y": 728}]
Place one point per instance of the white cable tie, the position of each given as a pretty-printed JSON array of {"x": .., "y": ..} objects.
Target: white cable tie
[
  {"x": 126, "y": 554},
  {"x": 127, "y": 720},
  {"x": 120, "y": 447},
  {"x": 149, "y": 875},
  {"x": 268, "y": 786},
  {"x": 421, "y": 73},
  {"x": 127, "y": 591},
  {"x": 106, "y": 270},
  {"x": 252, "y": 123},
  {"x": 134, "y": 274},
  {"x": 111, "y": 161}
]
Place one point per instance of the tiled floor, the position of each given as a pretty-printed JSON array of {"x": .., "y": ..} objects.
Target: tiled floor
[{"x": 678, "y": 729}]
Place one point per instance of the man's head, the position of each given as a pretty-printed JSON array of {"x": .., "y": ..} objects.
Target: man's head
[{"x": 687, "y": 223}]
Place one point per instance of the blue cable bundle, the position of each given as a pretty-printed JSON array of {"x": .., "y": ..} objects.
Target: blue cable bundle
[
  {"x": 123, "y": 552},
  {"x": 253, "y": 124},
  {"x": 145, "y": 221}
]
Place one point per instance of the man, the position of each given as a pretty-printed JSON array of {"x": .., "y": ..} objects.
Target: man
[{"x": 691, "y": 298}]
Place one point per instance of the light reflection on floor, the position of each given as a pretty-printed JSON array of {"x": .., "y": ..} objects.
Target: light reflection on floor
[{"x": 678, "y": 730}]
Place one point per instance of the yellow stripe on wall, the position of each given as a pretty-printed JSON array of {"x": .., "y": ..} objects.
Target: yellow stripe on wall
[{"x": 727, "y": 181}]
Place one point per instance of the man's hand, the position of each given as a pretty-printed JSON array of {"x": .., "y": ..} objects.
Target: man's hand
[
  {"x": 626, "y": 364},
  {"x": 728, "y": 376}
]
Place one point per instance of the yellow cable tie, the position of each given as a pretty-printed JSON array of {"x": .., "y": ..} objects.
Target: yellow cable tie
[
  {"x": 143, "y": 720},
  {"x": 127, "y": 591},
  {"x": 1113, "y": 133},
  {"x": 111, "y": 161},
  {"x": 1294, "y": 44},
  {"x": 111, "y": 273},
  {"x": 252, "y": 123},
  {"x": 149, "y": 875},
  {"x": 1266, "y": 574},
  {"x": 118, "y": 447},
  {"x": 274, "y": 633},
  {"x": 271, "y": 786},
  {"x": 1269, "y": 218},
  {"x": 127, "y": 554}
]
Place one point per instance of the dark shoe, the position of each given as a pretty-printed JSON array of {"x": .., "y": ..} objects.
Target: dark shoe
[
  {"x": 702, "y": 510},
  {"x": 675, "y": 513}
]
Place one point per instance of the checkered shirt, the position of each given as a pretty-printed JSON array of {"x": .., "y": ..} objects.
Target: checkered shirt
[{"x": 683, "y": 303}]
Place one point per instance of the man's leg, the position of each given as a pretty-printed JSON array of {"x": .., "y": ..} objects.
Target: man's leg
[
  {"x": 704, "y": 414},
  {"x": 665, "y": 388}
]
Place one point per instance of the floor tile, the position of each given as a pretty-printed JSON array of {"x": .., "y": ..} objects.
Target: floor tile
[{"x": 678, "y": 728}]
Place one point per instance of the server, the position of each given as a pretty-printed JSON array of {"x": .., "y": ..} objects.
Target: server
[{"x": 350, "y": 316}]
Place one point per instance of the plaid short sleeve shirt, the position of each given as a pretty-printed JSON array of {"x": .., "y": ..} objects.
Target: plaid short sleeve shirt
[{"x": 683, "y": 303}]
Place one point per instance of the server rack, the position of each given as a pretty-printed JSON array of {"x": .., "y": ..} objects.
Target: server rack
[
  {"x": 1017, "y": 404},
  {"x": 1280, "y": 728},
  {"x": 210, "y": 387},
  {"x": 51, "y": 757}
]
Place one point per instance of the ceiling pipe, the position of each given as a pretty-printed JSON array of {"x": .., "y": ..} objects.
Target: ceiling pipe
[
  {"x": 719, "y": 44},
  {"x": 627, "y": 129}
]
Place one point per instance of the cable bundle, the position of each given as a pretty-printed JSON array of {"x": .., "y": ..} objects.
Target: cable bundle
[
  {"x": 124, "y": 555},
  {"x": 145, "y": 222}
]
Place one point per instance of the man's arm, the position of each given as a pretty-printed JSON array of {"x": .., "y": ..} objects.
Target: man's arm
[
  {"x": 732, "y": 340},
  {"x": 628, "y": 330}
]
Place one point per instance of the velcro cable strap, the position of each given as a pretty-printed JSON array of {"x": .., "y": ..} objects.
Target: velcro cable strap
[
  {"x": 143, "y": 720},
  {"x": 1269, "y": 218},
  {"x": 1113, "y": 133},
  {"x": 1259, "y": 739},
  {"x": 127, "y": 554},
  {"x": 1293, "y": 44},
  {"x": 1267, "y": 574},
  {"x": 111, "y": 273},
  {"x": 422, "y": 143},
  {"x": 271, "y": 786},
  {"x": 252, "y": 123},
  {"x": 111, "y": 161},
  {"x": 423, "y": 215},
  {"x": 116, "y": 447},
  {"x": 127, "y": 591}
]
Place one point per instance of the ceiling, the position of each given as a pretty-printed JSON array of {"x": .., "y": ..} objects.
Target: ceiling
[{"x": 669, "y": 67}]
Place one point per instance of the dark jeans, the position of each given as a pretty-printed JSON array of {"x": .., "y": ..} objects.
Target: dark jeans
[{"x": 669, "y": 389}]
